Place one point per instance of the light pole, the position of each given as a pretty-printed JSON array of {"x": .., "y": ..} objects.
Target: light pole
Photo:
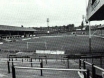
[
  {"x": 48, "y": 25},
  {"x": 89, "y": 38},
  {"x": 47, "y": 22}
]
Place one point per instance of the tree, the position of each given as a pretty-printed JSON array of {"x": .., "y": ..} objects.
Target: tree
[
  {"x": 64, "y": 28},
  {"x": 70, "y": 27}
]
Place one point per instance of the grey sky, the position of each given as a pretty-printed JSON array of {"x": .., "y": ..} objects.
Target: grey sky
[{"x": 33, "y": 13}]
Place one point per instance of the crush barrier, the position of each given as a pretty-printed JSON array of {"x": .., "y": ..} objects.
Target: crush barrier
[
  {"x": 95, "y": 71},
  {"x": 52, "y": 69},
  {"x": 13, "y": 64}
]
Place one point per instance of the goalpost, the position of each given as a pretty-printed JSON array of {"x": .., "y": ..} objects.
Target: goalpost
[{"x": 45, "y": 44}]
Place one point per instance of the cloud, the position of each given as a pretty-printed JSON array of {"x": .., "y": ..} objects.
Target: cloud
[{"x": 35, "y": 12}]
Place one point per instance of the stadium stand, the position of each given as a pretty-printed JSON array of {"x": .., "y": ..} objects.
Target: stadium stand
[
  {"x": 95, "y": 10},
  {"x": 8, "y": 32}
]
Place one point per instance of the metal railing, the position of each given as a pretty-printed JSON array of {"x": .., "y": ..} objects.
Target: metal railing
[
  {"x": 41, "y": 70},
  {"x": 89, "y": 70},
  {"x": 83, "y": 65},
  {"x": 31, "y": 63}
]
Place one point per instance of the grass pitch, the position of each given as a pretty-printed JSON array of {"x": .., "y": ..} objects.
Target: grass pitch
[{"x": 70, "y": 44}]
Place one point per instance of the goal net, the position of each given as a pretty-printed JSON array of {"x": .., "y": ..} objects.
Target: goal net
[{"x": 32, "y": 46}]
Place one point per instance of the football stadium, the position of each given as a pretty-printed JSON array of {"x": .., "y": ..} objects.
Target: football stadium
[{"x": 54, "y": 52}]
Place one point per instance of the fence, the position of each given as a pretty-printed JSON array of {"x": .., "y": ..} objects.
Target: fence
[{"x": 92, "y": 69}]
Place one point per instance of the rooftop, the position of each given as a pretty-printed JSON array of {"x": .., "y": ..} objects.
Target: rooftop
[{"x": 14, "y": 28}]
